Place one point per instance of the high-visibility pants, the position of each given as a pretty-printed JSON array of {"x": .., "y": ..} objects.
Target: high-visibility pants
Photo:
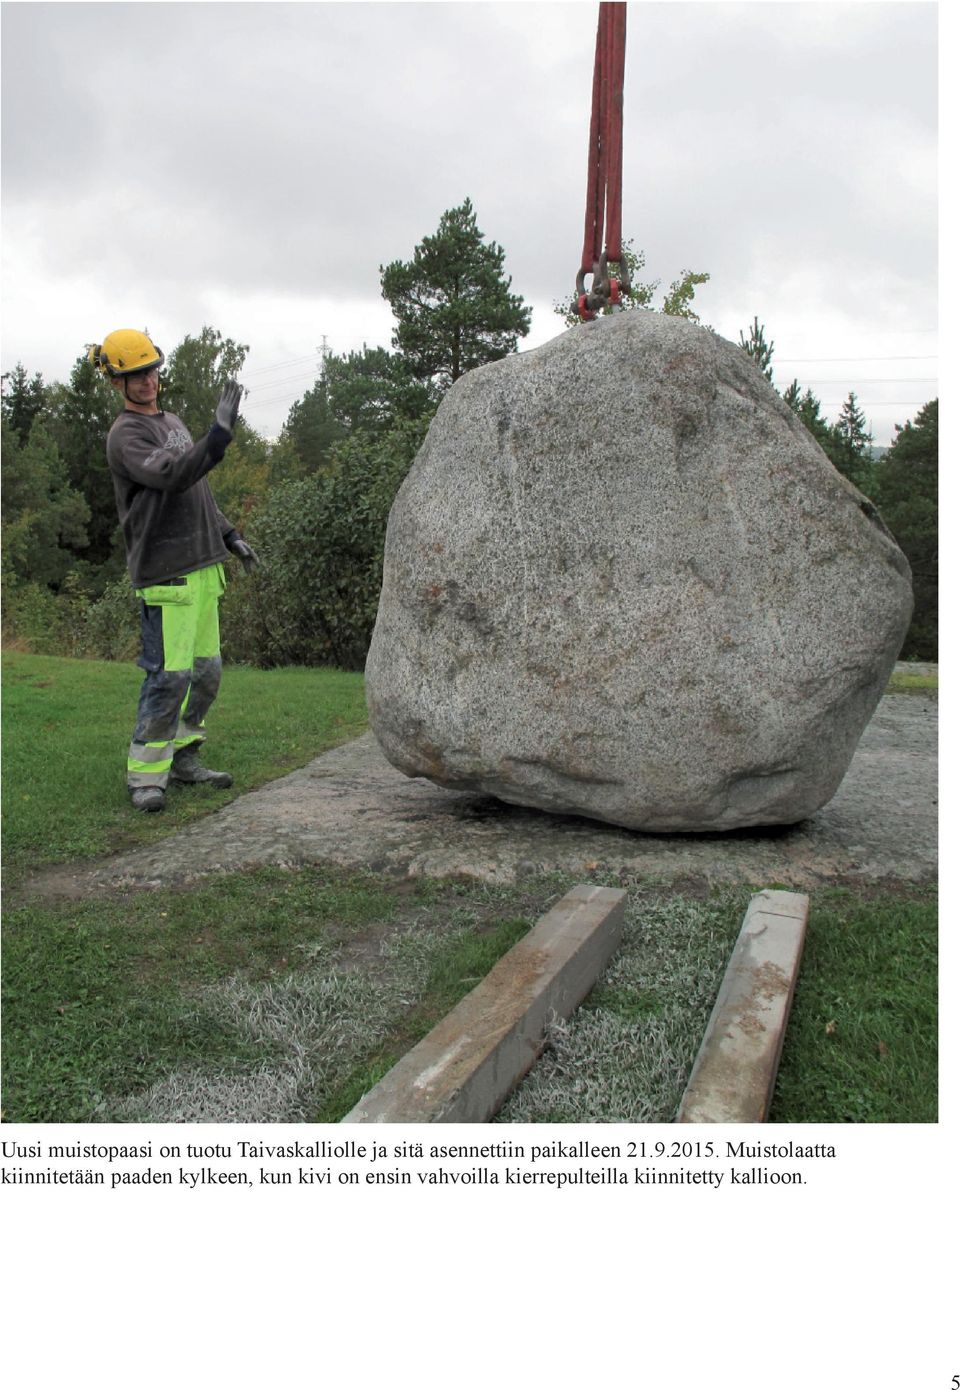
[{"x": 180, "y": 629}]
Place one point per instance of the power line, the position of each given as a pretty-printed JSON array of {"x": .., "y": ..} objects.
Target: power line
[
  {"x": 886, "y": 332},
  {"x": 277, "y": 366},
  {"x": 927, "y": 357},
  {"x": 323, "y": 350},
  {"x": 284, "y": 381},
  {"x": 274, "y": 400},
  {"x": 864, "y": 380},
  {"x": 875, "y": 404}
]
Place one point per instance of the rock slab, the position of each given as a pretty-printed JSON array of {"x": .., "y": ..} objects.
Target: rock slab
[
  {"x": 622, "y": 580},
  {"x": 735, "y": 1071}
]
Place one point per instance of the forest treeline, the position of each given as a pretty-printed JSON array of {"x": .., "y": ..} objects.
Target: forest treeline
[{"x": 314, "y": 502}]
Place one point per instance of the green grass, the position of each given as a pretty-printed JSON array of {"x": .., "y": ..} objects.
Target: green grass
[
  {"x": 283, "y": 996},
  {"x": 454, "y": 972},
  {"x": 861, "y": 1043},
  {"x": 262, "y": 996},
  {"x": 912, "y": 683},
  {"x": 67, "y": 724}
]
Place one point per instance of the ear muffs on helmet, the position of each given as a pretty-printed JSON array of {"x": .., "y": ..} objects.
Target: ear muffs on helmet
[{"x": 124, "y": 352}]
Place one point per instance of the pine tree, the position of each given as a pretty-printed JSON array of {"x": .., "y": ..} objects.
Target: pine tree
[
  {"x": 372, "y": 389},
  {"x": 757, "y": 347},
  {"x": 452, "y": 302},
  {"x": 808, "y": 408},
  {"x": 850, "y": 451},
  {"x": 312, "y": 429},
  {"x": 845, "y": 443},
  {"x": 906, "y": 493},
  {"x": 23, "y": 400},
  {"x": 792, "y": 396}
]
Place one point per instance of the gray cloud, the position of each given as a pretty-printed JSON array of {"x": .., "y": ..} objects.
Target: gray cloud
[{"x": 238, "y": 152}]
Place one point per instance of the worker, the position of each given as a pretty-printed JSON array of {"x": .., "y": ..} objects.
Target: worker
[{"x": 176, "y": 541}]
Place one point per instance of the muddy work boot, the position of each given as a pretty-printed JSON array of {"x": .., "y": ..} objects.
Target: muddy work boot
[
  {"x": 187, "y": 767},
  {"x": 148, "y": 798}
]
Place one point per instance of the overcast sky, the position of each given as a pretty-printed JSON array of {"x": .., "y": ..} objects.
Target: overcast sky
[{"x": 251, "y": 166}]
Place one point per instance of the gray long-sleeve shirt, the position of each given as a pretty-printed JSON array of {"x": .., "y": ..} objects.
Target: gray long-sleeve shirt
[{"x": 171, "y": 524}]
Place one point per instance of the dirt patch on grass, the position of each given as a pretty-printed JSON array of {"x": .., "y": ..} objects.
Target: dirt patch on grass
[{"x": 332, "y": 1011}]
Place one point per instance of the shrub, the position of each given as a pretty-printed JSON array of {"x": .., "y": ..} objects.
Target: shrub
[
  {"x": 34, "y": 618},
  {"x": 110, "y": 628},
  {"x": 313, "y": 602},
  {"x": 69, "y": 623}
]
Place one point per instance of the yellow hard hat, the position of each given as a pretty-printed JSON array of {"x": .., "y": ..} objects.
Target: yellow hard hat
[{"x": 124, "y": 352}]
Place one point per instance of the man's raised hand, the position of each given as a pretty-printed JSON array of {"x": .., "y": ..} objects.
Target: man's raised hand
[{"x": 228, "y": 406}]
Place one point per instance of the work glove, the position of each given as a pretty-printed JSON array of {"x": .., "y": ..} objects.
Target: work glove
[
  {"x": 244, "y": 553},
  {"x": 228, "y": 406}
]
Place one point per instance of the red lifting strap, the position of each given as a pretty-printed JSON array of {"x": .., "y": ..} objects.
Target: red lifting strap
[{"x": 605, "y": 165}]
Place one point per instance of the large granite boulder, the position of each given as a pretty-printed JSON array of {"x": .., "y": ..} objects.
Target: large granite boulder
[{"x": 621, "y": 580}]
